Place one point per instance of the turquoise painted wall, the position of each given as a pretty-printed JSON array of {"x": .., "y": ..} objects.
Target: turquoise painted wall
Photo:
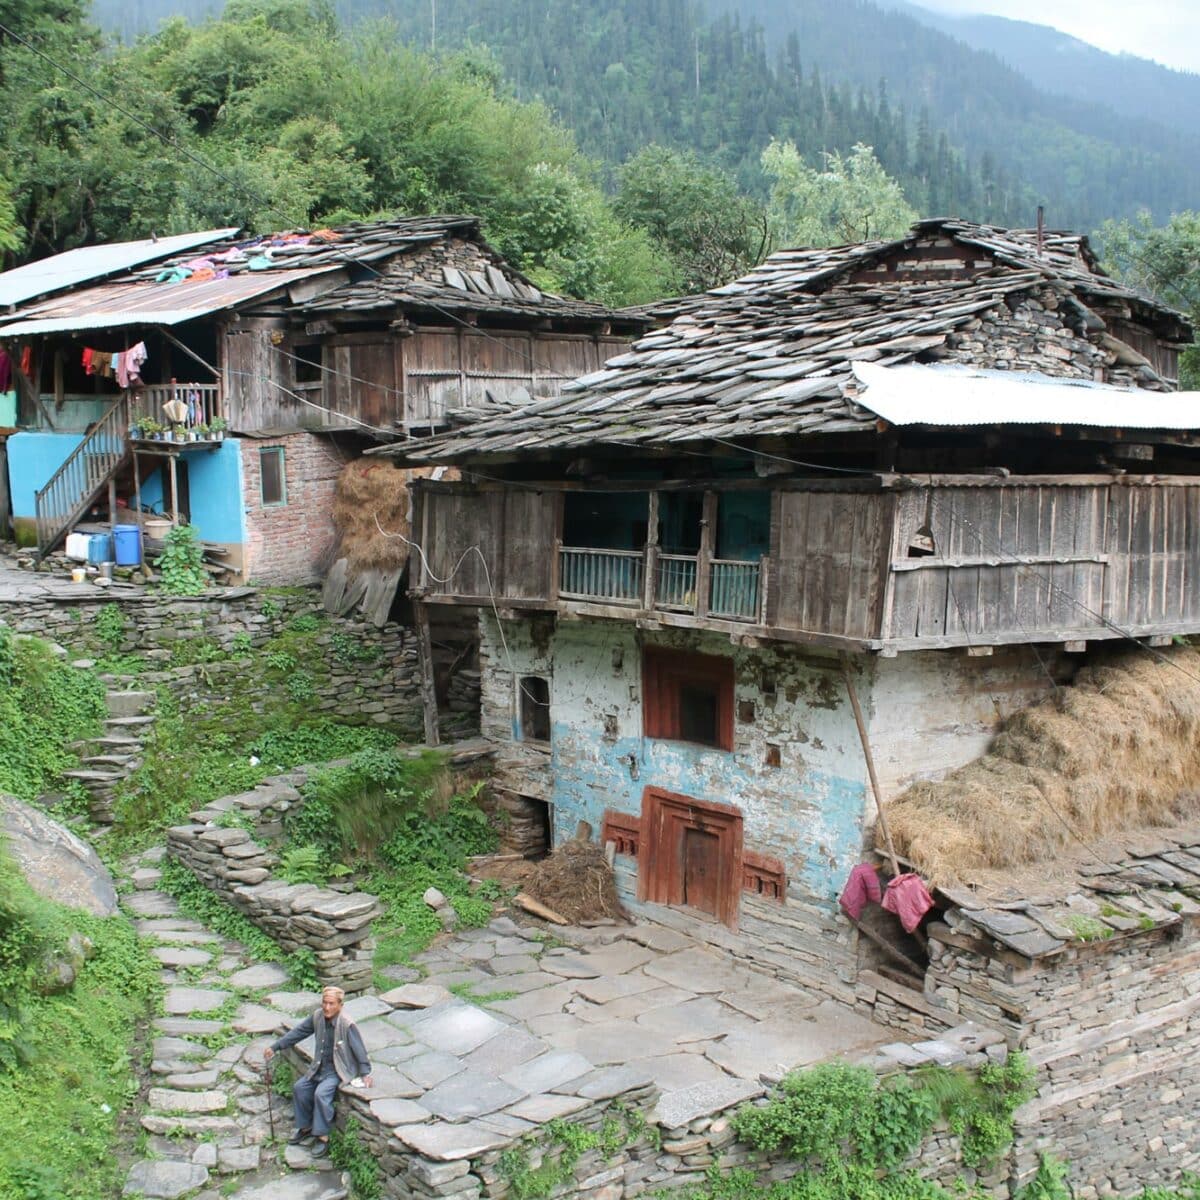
[
  {"x": 215, "y": 487},
  {"x": 32, "y": 459}
]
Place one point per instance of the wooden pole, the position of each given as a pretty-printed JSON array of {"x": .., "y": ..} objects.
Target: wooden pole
[
  {"x": 425, "y": 664},
  {"x": 866, "y": 745},
  {"x": 137, "y": 495},
  {"x": 174, "y": 491}
]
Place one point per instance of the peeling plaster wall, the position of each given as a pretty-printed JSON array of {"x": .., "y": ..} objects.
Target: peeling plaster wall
[{"x": 932, "y": 711}]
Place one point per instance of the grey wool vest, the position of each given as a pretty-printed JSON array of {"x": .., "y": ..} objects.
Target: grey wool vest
[{"x": 338, "y": 1029}]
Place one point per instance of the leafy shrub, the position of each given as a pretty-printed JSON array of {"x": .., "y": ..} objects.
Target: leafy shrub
[
  {"x": 304, "y": 864},
  {"x": 181, "y": 564},
  {"x": 304, "y": 623}
]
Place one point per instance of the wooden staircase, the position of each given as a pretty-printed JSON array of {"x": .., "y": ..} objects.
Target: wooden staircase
[{"x": 75, "y": 485}]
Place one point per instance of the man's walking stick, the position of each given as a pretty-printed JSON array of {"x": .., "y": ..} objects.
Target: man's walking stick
[{"x": 270, "y": 1089}]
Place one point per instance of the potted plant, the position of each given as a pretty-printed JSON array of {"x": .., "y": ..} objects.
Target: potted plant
[
  {"x": 178, "y": 433},
  {"x": 218, "y": 425},
  {"x": 202, "y": 432}
]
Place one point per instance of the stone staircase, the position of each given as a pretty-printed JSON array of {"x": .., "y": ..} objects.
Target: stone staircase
[{"x": 114, "y": 755}]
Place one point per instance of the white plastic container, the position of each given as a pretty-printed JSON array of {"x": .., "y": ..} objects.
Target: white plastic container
[{"x": 77, "y": 546}]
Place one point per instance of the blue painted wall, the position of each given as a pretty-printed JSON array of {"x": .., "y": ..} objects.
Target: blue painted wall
[
  {"x": 215, "y": 488},
  {"x": 32, "y": 459},
  {"x": 808, "y": 811}
]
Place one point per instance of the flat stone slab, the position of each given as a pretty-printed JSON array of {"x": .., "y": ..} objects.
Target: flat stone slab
[
  {"x": 238, "y": 1158},
  {"x": 540, "y": 1109},
  {"x": 388, "y": 1083},
  {"x": 180, "y": 937},
  {"x": 508, "y": 1049},
  {"x": 294, "y": 1003},
  {"x": 569, "y": 966},
  {"x": 678, "y": 1109},
  {"x": 163, "y": 1180},
  {"x": 180, "y": 956},
  {"x": 255, "y": 1018},
  {"x": 513, "y": 964},
  {"x": 615, "y": 987},
  {"x": 186, "y": 1026},
  {"x": 177, "y": 1047},
  {"x": 699, "y": 971},
  {"x": 676, "y": 1072},
  {"x": 399, "y": 1112},
  {"x": 613, "y": 1042},
  {"x": 658, "y": 938},
  {"x": 619, "y": 957},
  {"x": 150, "y": 904},
  {"x": 197, "y": 1127},
  {"x": 363, "y": 1008},
  {"x": 166, "y": 1100},
  {"x": 261, "y": 975},
  {"x": 179, "y": 1001},
  {"x": 549, "y": 1071},
  {"x": 607, "y": 1082},
  {"x": 536, "y": 1003},
  {"x": 458, "y": 1029},
  {"x": 416, "y": 995},
  {"x": 396, "y": 1054},
  {"x": 762, "y": 998},
  {"x": 469, "y": 1094},
  {"x": 193, "y": 1081},
  {"x": 431, "y": 1068},
  {"x": 448, "y": 1143},
  {"x": 290, "y": 1187},
  {"x": 696, "y": 1020},
  {"x": 379, "y": 1033},
  {"x": 163, "y": 926}
]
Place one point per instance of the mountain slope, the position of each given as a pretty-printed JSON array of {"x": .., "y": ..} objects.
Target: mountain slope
[{"x": 1063, "y": 65}]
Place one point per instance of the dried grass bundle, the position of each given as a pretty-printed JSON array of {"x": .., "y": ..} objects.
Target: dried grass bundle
[
  {"x": 1117, "y": 750},
  {"x": 366, "y": 489},
  {"x": 577, "y": 882}
]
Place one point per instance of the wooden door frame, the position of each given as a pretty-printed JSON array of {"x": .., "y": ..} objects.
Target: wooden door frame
[{"x": 660, "y": 861}]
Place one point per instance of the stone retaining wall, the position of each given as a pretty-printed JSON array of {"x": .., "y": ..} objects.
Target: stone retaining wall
[
  {"x": 1114, "y": 1028},
  {"x": 368, "y": 674},
  {"x": 335, "y": 926},
  {"x": 671, "y": 1142}
]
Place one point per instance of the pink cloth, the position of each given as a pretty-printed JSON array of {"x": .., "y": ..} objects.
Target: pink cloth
[
  {"x": 909, "y": 898},
  {"x": 862, "y": 888}
]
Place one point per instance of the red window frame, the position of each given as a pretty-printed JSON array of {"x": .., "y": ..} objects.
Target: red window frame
[{"x": 664, "y": 672}]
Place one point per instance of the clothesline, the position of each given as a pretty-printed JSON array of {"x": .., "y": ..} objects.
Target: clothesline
[{"x": 124, "y": 365}]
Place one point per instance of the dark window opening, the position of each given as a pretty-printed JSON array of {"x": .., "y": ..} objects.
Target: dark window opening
[
  {"x": 688, "y": 697},
  {"x": 605, "y": 520},
  {"x": 535, "y": 709},
  {"x": 680, "y": 520},
  {"x": 306, "y": 362},
  {"x": 272, "y": 480},
  {"x": 743, "y": 526}
]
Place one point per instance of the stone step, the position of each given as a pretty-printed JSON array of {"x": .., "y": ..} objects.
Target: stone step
[
  {"x": 130, "y": 704},
  {"x": 119, "y": 723},
  {"x": 129, "y": 761},
  {"x": 176, "y": 1100},
  {"x": 95, "y": 776}
]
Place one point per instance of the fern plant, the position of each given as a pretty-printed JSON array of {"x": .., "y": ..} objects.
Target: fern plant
[{"x": 304, "y": 864}]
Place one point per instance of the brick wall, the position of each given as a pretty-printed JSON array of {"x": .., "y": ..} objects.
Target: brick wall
[{"x": 287, "y": 543}]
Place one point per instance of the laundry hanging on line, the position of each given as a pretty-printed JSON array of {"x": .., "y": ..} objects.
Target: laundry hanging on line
[{"x": 124, "y": 365}]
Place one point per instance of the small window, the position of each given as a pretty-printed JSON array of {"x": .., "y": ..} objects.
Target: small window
[
  {"x": 688, "y": 698},
  {"x": 270, "y": 464},
  {"x": 535, "y": 709},
  {"x": 306, "y": 363}
]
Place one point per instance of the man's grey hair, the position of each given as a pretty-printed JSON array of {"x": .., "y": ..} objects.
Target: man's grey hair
[{"x": 335, "y": 992}]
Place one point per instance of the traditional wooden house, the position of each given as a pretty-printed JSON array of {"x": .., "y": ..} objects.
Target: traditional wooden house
[
  {"x": 858, "y": 505},
  {"x": 226, "y": 379}
]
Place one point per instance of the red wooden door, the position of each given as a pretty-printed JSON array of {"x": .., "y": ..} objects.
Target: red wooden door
[{"x": 702, "y": 870}]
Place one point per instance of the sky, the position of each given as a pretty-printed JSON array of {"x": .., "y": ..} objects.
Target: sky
[{"x": 1167, "y": 31}]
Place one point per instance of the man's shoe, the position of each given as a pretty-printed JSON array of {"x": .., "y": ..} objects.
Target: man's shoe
[
  {"x": 320, "y": 1149},
  {"x": 299, "y": 1136}
]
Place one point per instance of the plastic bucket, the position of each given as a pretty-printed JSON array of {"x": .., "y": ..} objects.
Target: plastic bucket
[
  {"x": 127, "y": 542},
  {"x": 100, "y": 548}
]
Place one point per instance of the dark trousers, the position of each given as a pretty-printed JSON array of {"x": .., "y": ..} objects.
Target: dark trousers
[{"x": 314, "y": 1102}]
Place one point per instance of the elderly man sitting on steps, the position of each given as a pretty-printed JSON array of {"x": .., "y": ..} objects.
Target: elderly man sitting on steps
[{"x": 338, "y": 1057}]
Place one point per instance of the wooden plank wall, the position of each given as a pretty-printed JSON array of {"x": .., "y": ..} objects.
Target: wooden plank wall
[
  {"x": 1026, "y": 560},
  {"x": 828, "y": 550},
  {"x": 256, "y": 376},
  {"x": 514, "y": 533},
  {"x": 448, "y": 368}
]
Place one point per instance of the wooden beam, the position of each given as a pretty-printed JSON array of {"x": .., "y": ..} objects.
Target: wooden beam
[{"x": 425, "y": 665}]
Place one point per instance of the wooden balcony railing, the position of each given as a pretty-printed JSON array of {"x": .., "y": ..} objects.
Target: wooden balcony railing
[
  {"x": 616, "y": 576},
  {"x": 203, "y": 402},
  {"x": 735, "y": 589},
  {"x": 675, "y": 586}
]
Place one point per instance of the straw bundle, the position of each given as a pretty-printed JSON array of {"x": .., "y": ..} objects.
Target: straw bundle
[{"x": 1118, "y": 750}]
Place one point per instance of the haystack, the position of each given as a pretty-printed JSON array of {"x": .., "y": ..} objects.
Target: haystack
[
  {"x": 577, "y": 882},
  {"x": 366, "y": 490},
  {"x": 1118, "y": 750}
]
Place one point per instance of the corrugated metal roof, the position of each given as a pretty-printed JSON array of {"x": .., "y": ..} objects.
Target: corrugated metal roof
[
  {"x": 948, "y": 395},
  {"x": 74, "y": 267},
  {"x": 120, "y": 304}
]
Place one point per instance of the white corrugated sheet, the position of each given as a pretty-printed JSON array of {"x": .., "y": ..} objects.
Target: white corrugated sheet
[
  {"x": 113, "y": 305},
  {"x": 943, "y": 394},
  {"x": 74, "y": 267}
]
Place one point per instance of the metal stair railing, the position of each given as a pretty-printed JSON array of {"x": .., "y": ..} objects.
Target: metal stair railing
[{"x": 71, "y": 489}]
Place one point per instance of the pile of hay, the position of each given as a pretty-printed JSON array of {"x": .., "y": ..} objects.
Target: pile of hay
[
  {"x": 365, "y": 490},
  {"x": 1117, "y": 750},
  {"x": 577, "y": 882}
]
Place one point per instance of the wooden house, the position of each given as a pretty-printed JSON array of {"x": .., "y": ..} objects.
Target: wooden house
[
  {"x": 926, "y": 474},
  {"x": 305, "y": 347}
]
